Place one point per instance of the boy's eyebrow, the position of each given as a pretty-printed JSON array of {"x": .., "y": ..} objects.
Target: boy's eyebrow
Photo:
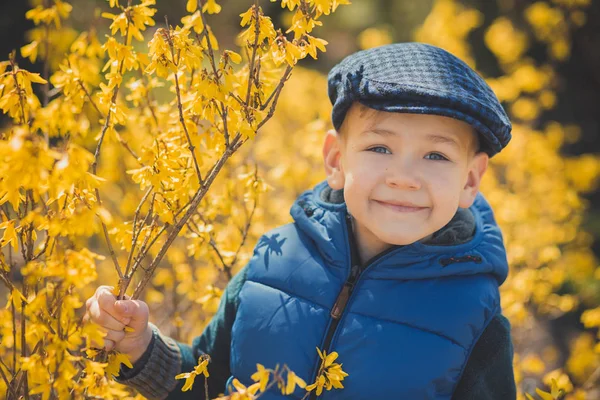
[
  {"x": 443, "y": 139},
  {"x": 432, "y": 137}
]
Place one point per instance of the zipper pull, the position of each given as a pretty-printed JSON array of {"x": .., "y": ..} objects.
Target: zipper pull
[{"x": 341, "y": 301}]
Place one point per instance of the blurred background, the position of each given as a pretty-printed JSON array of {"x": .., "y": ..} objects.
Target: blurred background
[{"x": 542, "y": 58}]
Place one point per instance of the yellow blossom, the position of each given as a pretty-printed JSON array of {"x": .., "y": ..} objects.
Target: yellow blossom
[
  {"x": 211, "y": 7},
  {"x": 330, "y": 374},
  {"x": 191, "y": 6},
  {"x": 200, "y": 369},
  {"x": 292, "y": 381},
  {"x": 261, "y": 376}
]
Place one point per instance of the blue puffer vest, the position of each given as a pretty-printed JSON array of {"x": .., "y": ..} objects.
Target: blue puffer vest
[{"x": 403, "y": 326}]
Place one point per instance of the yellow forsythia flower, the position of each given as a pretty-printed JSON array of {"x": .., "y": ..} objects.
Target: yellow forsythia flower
[
  {"x": 191, "y": 5},
  {"x": 261, "y": 376},
  {"x": 200, "y": 369},
  {"x": 292, "y": 381},
  {"x": 115, "y": 360},
  {"x": 330, "y": 374}
]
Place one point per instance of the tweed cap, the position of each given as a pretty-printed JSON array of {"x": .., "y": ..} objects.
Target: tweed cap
[{"x": 421, "y": 79}]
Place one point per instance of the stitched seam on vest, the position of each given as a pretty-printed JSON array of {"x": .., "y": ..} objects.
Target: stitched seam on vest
[
  {"x": 497, "y": 310},
  {"x": 412, "y": 326},
  {"x": 291, "y": 294}
]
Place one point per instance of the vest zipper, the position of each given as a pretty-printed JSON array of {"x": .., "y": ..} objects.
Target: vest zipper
[{"x": 341, "y": 301}]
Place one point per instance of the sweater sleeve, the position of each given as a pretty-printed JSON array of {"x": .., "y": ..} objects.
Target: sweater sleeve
[
  {"x": 153, "y": 375},
  {"x": 489, "y": 373}
]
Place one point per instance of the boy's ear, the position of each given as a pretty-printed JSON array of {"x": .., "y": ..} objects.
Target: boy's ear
[
  {"x": 477, "y": 168},
  {"x": 332, "y": 156}
]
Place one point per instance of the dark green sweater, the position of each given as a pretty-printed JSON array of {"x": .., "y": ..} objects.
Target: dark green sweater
[{"x": 488, "y": 374}]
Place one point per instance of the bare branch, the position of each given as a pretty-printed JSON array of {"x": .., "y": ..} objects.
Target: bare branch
[
  {"x": 24, "y": 338},
  {"x": 276, "y": 93},
  {"x": 89, "y": 96},
  {"x": 246, "y": 231},
  {"x": 4, "y": 277},
  {"x": 284, "y": 78},
  {"x": 105, "y": 230},
  {"x": 213, "y": 245},
  {"x": 136, "y": 231},
  {"x": 6, "y": 381}
]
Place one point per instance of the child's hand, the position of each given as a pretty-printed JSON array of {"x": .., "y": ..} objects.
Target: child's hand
[{"x": 114, "y": 316}]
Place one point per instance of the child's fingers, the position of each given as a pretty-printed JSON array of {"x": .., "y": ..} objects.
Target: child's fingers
[
  {"x": 135, "y": 309},
  {"x": 106, "y": 301},
  {"x": 112, "y": 336},
  {"x": 115, "y": 336},
  {"x": 104, "y": 319}
]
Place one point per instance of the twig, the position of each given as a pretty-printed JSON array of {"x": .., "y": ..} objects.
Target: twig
[
  {"x": 191, "y": 147},
  {"x": 119, "y": 138},
  {"x": 5, "y": 378},
  {"x": 136, "y": 232},
  {"x": 246, "y": 231},
  {"x": 279, "y": 87},
  {"x": 149, "y": 101},
  {"x": 43, "y": 250},
  {"x": 7, "y": 281},
  {"x": 144, "y": 248},
  {"x": 87, "y": 94},
  {"x": 277, "y": 92},
  {"x": 589, "y": 383},
  {"x": 97, "y": 155},
  {"x": 211, "y": 57},
  {"x": 111, "y": 250},
  {"x": 19, "y": 90},
  {"x": 213, "y": 244},
  {"x": 129, "y": 149},
  {"x": 46, "y": 70},
  {"x": 30, "y": 228},
  {"x": 141, "y": 254},
  {"x": 254, "y": 49},
  {"x": 23, "y": 339},
  {"x": 14, "y": 332}
]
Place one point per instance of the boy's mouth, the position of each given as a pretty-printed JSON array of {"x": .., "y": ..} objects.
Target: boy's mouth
[{"x": 400, "y": 207}]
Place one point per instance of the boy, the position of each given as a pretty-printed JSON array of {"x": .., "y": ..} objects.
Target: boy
[{"x": 394, "y": 262}]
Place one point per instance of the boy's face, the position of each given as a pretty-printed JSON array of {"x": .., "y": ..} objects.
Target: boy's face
[{"x": 404, "y": 175}]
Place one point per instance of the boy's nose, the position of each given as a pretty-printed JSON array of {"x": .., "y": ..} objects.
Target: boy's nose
[{"x": 403, "y": 177}]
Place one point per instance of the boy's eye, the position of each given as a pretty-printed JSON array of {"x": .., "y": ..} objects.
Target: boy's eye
[
  {"x": 436, "y": 157},
  {"x": 379, "y": 149}
]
